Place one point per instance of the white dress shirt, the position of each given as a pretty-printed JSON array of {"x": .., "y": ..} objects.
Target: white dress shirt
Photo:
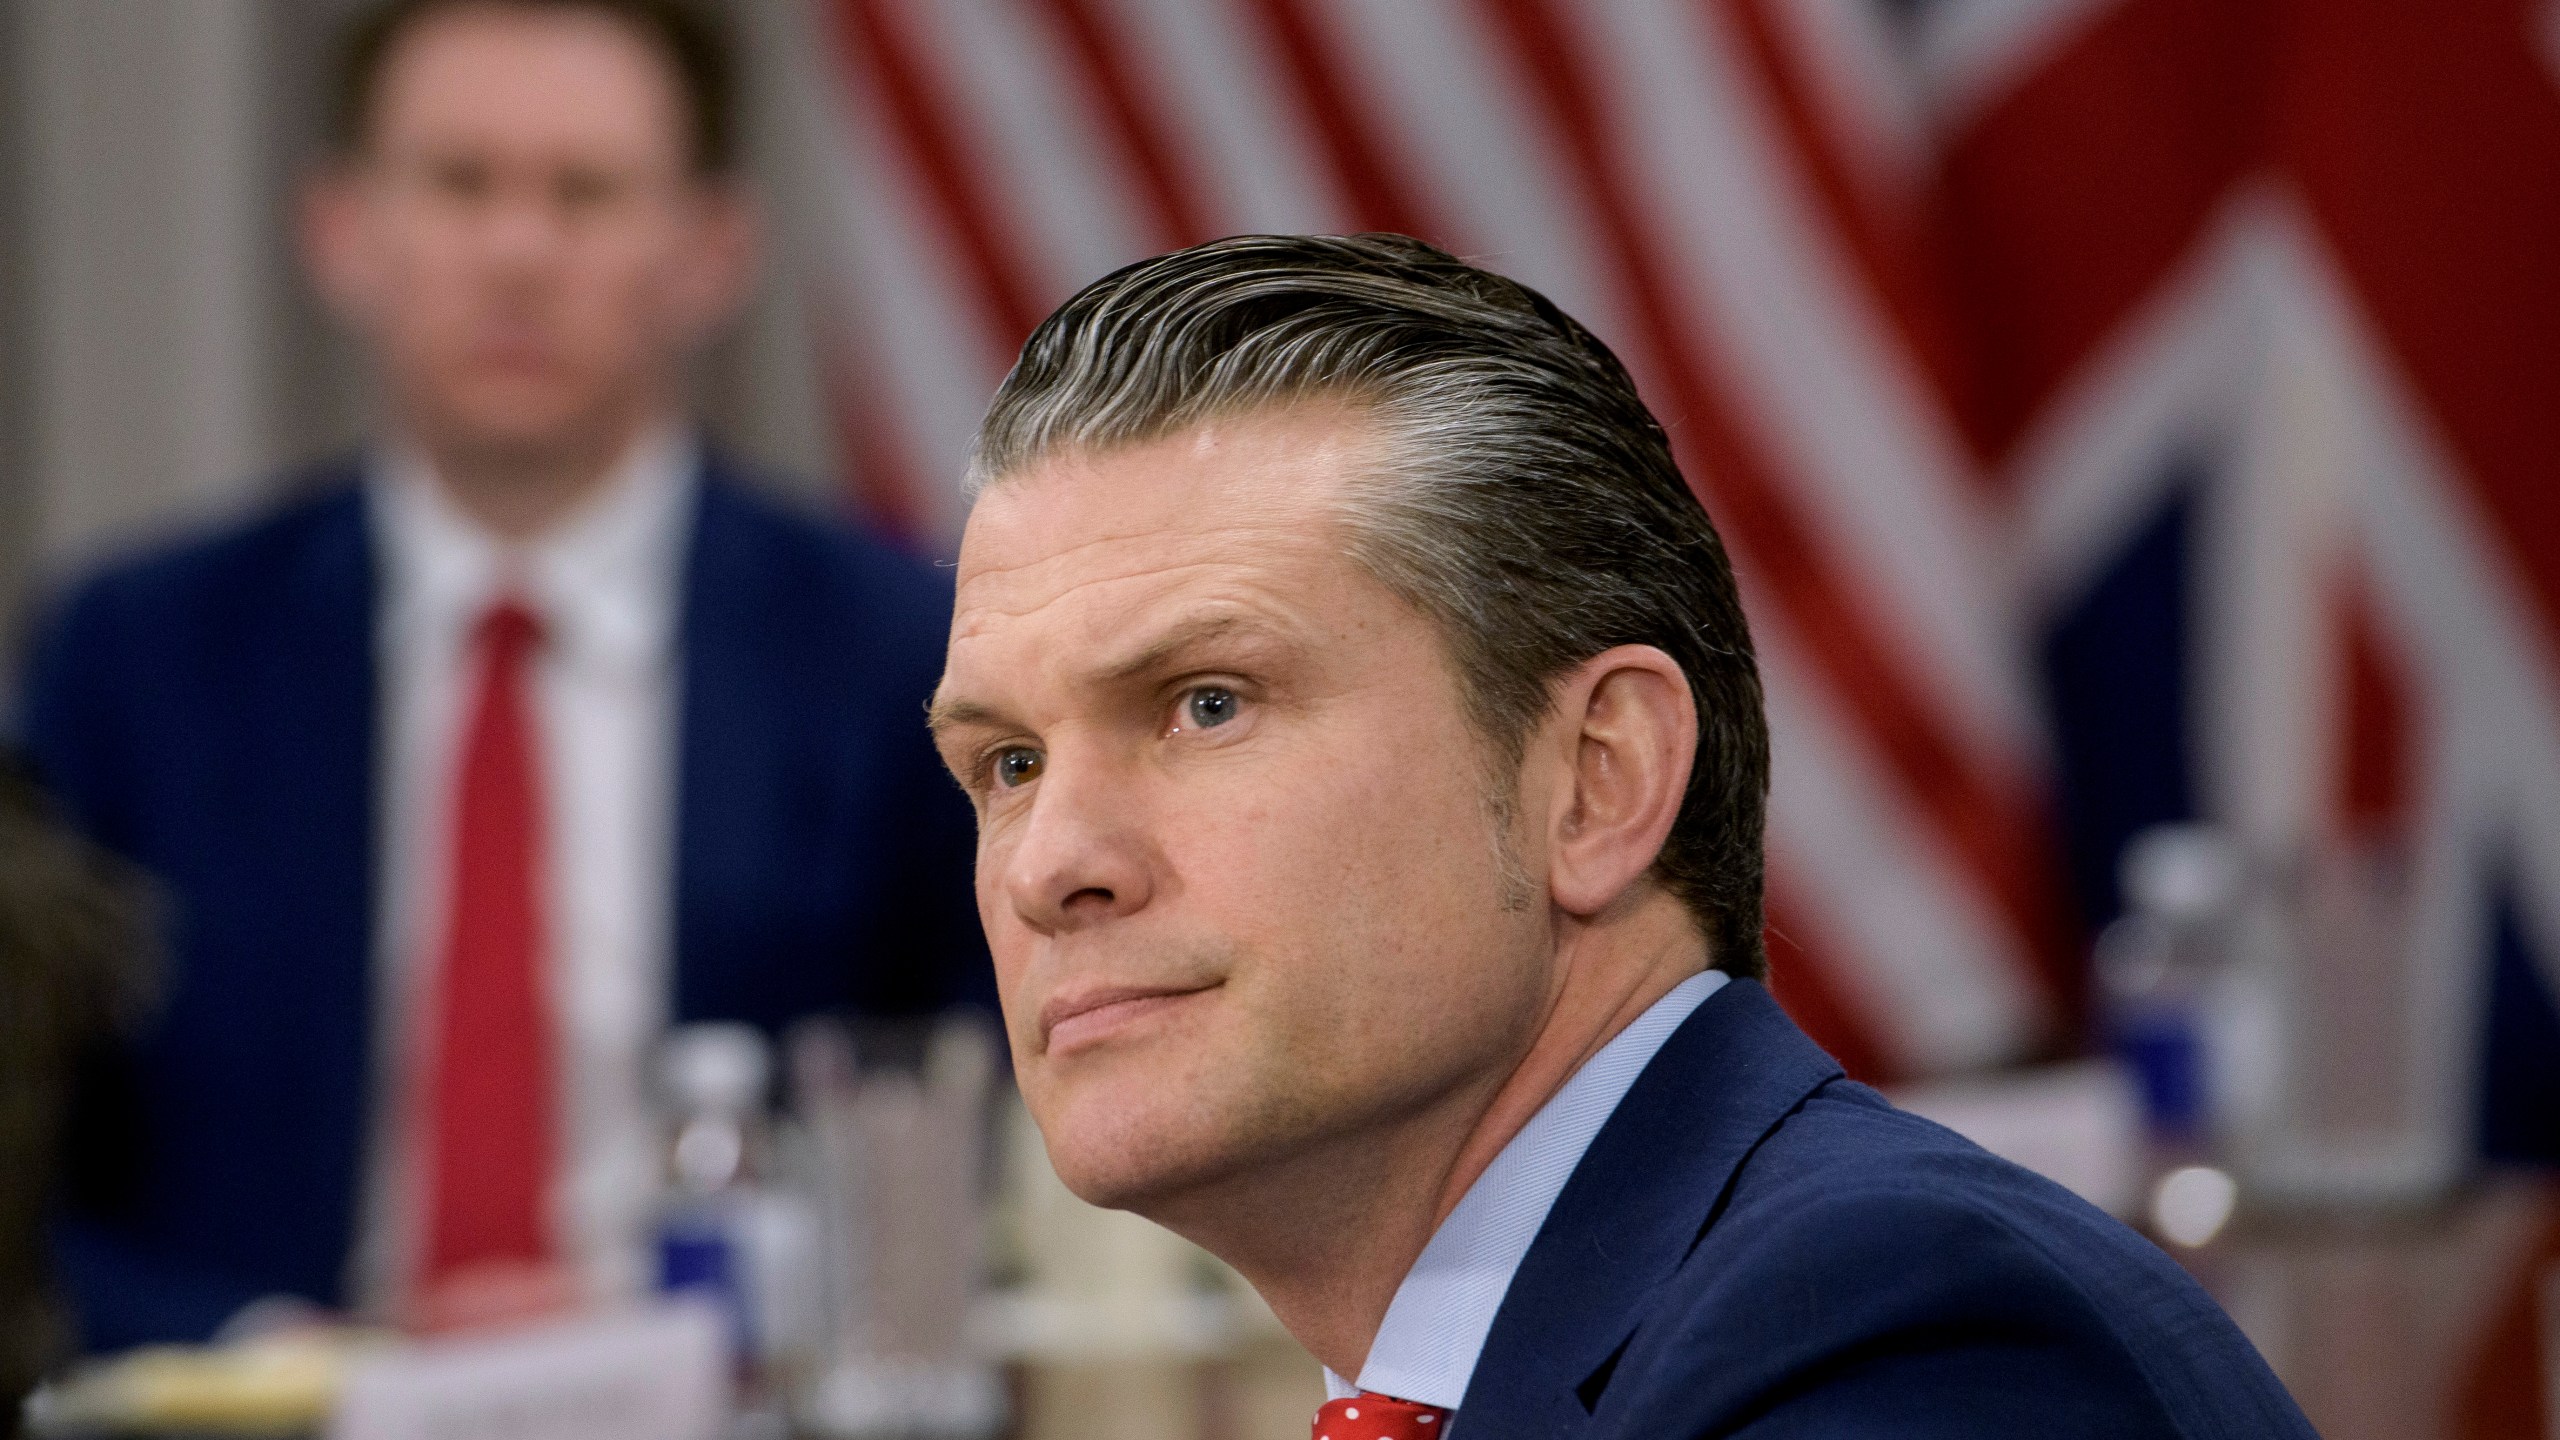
[
  {"x": 1434, "y": 1329},
  {"x": 606, "y": 585}
]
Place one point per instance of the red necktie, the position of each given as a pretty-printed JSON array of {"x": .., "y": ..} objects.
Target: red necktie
[
  {"x": 1370, "y": 1416},
  {"x": 490, "y": 1064}
]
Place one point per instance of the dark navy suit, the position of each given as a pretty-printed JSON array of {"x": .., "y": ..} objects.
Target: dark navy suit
[
  {"x": 210, "y": 711},
  {"x": 1756, "y": 1246}
]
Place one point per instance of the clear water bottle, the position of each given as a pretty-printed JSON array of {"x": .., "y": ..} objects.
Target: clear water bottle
[
  {"x": 731, "y": 1228},
  {"x": 2158, "y": 968},
  {"x": 713, "y": 1078}
]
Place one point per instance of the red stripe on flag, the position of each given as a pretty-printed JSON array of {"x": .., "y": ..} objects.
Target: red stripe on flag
[
  {"x": 2377, "y": 760},
  {"x": 2427, "y": 140},
  {"x": 1800, "y": 975},
  {"x": 1895, "y": 249},
  {"x": 1994, "y": 825},
  {"x": 959, "y": 196},
  {"x": 2071, "y": 197},
  {"x": 1136, "y": 120},
  {"x": 1376, "y": 194}
]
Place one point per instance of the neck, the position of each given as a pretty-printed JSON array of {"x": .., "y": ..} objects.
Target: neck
[
  {"x": 520, "y": 492},
  {"x": 1329, "y": 1252}
]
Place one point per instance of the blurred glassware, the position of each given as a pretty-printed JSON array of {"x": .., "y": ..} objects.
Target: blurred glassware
[
  {"x": 896, "y": 1156},
  {"x": 2366, "y": 1108},
  {"x": 2272, "y": 1010}
]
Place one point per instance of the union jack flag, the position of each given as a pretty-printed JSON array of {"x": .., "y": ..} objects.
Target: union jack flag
[{"x": 2120, "y": 411}]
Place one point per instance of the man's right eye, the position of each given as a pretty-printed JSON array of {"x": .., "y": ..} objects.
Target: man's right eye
[{"x": 1016, "y": 766}]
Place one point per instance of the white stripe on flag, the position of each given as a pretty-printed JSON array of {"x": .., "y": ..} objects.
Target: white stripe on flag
[
  {"x": 1835, "y": 400},
  {"x": 1865, "y": 93},
  {"x": 1248, "y": 145},
  {"x": 1970, "y": 52},
  {"x": 1044, "y": 160},
  {"x": 1937, "y": 978},
  {"x": 1437, "y": 79},
  {"x": 915, "y": 324}
]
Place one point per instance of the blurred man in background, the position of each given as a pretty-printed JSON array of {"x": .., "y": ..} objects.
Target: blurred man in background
[{"x": 498, "y": 749}]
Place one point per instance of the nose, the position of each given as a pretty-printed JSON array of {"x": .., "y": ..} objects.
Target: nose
[
  {"x": 522, "y": 225},
  {"x": 1081, "y": 856}
]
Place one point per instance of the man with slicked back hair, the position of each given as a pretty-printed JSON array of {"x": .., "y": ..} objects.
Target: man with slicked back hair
[{"x": 1370, "y": 772}]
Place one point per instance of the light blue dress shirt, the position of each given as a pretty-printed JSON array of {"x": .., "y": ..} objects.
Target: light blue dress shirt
[{"x": 1435, "y": 1328}]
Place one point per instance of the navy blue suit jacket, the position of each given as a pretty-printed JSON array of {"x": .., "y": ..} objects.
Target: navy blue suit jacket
[
  {"x": 209, "y": 711},
  {"x": 1756, "y": 1246}
]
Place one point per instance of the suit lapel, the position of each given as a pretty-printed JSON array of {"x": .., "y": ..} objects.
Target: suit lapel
[{"x": 1648, "y": 1188}]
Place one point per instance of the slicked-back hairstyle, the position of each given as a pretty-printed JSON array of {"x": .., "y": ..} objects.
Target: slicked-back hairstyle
[
  {"x": 1528, "y": 504},
  {"x": 691, "y": 38}
]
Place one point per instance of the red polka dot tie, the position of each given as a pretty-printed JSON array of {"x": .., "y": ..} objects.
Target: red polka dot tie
[{"x": 1368, "y": 1416}]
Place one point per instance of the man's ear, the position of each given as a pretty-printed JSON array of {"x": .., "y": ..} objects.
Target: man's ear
[
  {"x": 329, "y": 224},
  {"x": 1626, "y": 728},
  {"x": 727, "y": 256}
]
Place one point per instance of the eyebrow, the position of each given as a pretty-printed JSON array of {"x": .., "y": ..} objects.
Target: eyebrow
[
  {"x": 941, "y": 714},
  {"x": 944, "y": 714},
  {"x": 1198, "y": 630}
]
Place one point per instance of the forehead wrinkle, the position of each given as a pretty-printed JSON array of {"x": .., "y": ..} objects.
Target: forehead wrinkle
[
  {"x": 1249, "y": 613},
  {"x": 1024, "y": 575},
  {"x": 1252, "y": 615},
  {"x": 974, "y": 617},
  {"x": 1055, "y": 556},
  {"x": 1269, "y": 497},
  {"x": 1221, "y": 619}
]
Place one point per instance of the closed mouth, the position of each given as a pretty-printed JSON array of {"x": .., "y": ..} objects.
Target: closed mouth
[{"x": 1071, "y": 1022}]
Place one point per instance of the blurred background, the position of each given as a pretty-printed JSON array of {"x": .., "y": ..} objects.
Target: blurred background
[{"x": 2136, "y": 424}]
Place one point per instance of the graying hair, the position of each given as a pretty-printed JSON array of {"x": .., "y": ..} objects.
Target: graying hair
[{"x": 1529, "y": 505}]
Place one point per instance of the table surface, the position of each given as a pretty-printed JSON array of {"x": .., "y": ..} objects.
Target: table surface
[{"x": 2378, "y": 1323}]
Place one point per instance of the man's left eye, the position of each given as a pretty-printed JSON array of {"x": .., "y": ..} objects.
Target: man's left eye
[{"x": 1209, "y": 706}]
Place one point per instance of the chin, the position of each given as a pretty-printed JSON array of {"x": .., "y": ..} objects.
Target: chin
[
  {"x": 520, "y": 414},
  {"x": 523, "y": 430},
  {"x": 1130, "y": 1147},
  {"x": 1119, "y": 1181}
]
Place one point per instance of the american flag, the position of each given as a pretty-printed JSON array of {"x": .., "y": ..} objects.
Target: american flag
[{"x": 2120, "y": 411}]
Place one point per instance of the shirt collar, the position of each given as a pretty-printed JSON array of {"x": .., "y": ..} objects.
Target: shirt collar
[
  {"x": 1434, "y": 1329},
  {"x": 604, "y": 581}
]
